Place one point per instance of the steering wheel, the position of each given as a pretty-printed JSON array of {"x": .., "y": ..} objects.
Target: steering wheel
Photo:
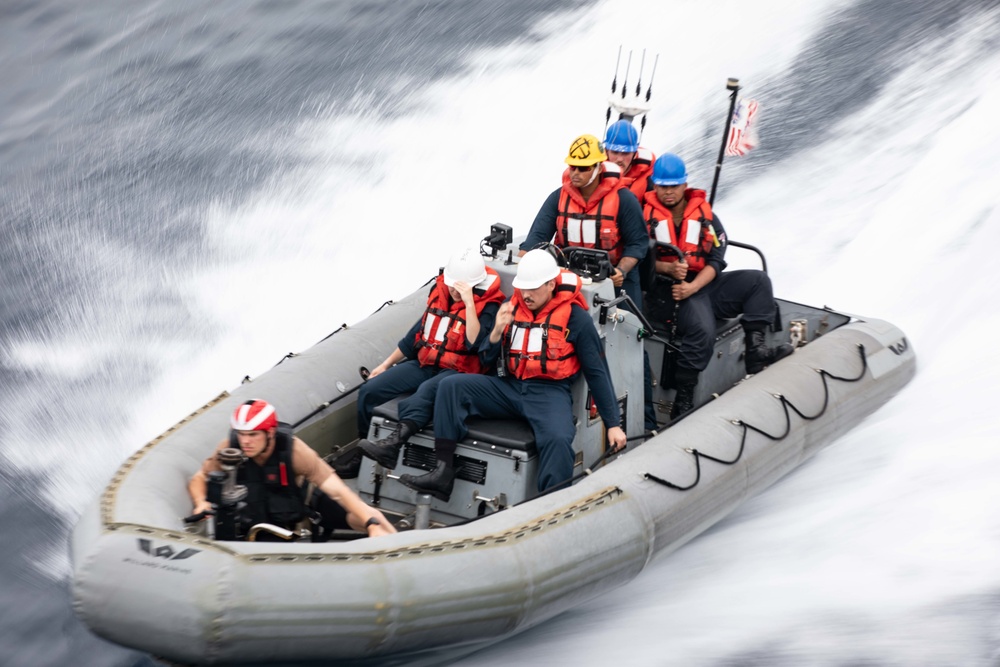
[
  {"x": 668, "y": 247},
  {"x": 553, "y": 250}
]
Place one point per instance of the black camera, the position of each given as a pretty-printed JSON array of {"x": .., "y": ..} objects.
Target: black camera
[
  {"x": 500, "y": 237},
  {"x": 228, "y": 497}
]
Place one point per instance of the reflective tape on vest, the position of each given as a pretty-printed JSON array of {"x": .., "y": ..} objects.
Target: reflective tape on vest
[
  {"x": 693, "y": 232},
  {"x": 435, "y": 334},
  {"x": 662, "y": 232},
  {"x": 535, "y": 336},
  {"x": 581, "y": 231}
]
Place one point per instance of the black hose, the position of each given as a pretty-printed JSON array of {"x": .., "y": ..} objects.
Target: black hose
[
  {"x": 787, "y": 405},
  {"x": 327, "y": 404}
]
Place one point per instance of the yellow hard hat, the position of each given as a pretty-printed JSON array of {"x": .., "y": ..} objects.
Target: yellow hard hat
[{"x": 585, "y": 151}]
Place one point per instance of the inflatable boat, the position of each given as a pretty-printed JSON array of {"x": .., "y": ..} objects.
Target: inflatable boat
[{"x": 497, "y": 557}]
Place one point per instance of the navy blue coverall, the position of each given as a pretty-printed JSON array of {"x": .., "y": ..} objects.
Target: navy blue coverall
[
  {"x": 410, "y": 376},
  {"x": 728, "y": 295},
  {"x": 635, "y": 239},
  {"x": 547, "y": 405},
  {"x": 631, "y": 229}
]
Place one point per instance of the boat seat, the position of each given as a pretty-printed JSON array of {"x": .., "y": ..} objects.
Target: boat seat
[{"x": 505, "y": 433}]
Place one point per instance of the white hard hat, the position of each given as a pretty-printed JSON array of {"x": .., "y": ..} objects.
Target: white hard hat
[
  {"x": 536, "y": 268},
  {"x": 467, "y": 267}
]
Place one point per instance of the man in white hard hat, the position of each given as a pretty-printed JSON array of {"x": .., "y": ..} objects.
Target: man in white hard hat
[
  {"x": 594, "y": 208},
  {"x": 545, "y": 338},
  {"x": 460, "y": 312}
]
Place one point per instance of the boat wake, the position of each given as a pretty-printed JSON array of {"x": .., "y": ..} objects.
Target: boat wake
[{"x": 871, "y": 191}]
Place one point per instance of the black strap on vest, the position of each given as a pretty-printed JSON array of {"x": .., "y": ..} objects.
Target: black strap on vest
[
  {"x": 596, "y": 217},
  {"x": 441, "y": 347},
  {"x": 700, "y": 252},
  {"x": 543, "y": 355}
]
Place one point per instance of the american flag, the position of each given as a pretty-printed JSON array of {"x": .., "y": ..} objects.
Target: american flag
[{"x": 742, "y": 134}]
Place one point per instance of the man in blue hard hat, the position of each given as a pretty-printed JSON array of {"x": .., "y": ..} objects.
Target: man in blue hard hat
[
  {"x": 701, "y": 289},
  {"x": 621, "y": 142}
]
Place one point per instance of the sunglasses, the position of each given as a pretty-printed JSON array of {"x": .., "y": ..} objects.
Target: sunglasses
[{"x": 574, "y": 167}]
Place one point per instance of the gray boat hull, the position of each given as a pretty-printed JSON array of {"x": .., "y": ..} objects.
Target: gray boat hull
[{"x": 142, "y": 581}]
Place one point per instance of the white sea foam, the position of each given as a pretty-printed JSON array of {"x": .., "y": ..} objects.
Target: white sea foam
[{"x": 868, "y": 551}]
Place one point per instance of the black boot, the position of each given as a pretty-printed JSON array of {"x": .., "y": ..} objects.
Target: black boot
[
  {"x": 348, "y": 465},
  {"x": 438, "y": 482},
  {"x": 685, "y": 380},
  {"x": 758, "y": 355},
  {"x": 386, "y": 451}
]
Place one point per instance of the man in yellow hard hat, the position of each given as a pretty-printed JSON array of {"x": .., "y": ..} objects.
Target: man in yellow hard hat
[{"x": 591, "y": 211}]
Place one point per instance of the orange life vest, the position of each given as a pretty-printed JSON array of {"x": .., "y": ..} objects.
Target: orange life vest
[
  {"x": 592, "y": 223},
  {"x": 536, "y": 341},
  {"x": 636, "y": 178},
  {"x": 695, "y": 237},
  {"x": 441, "y": 340}
]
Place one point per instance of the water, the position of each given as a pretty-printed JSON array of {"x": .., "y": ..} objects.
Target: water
[{"x": 191, "y": 191}]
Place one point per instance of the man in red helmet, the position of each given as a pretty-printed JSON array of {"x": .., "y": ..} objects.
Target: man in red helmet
[{"x": 276, "y": 465}]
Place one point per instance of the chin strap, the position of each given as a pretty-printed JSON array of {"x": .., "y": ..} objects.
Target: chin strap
[{"x": 596, "y": 170}]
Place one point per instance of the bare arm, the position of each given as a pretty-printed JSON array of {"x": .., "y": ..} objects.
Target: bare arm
[
  {"x": 358, "y": 513},
  {"x": 684, "y": 290},
  {"x": 471, "y": 317},
  {"x": 390, "y": 361},
  {"x": 198, "y": 490},
  {"x": 627, "y": 264},
  {"x": 198, "y": 486}
]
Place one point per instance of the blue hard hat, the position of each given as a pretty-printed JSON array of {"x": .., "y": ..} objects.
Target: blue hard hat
[
  {"x": 669, "y": 169},
  {"x": 621, "y": 137}
]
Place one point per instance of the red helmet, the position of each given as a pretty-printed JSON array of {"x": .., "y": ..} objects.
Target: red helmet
[{"x": 254, "y": 415}]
